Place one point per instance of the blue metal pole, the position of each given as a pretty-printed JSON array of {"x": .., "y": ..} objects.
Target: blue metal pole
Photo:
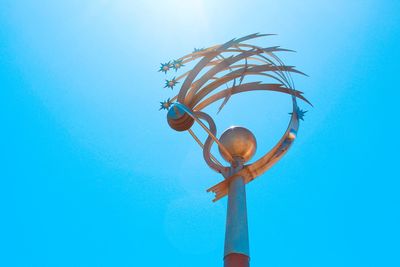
[{"x": 236, "y": 252}]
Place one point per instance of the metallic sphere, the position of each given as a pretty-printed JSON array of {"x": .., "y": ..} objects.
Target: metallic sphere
[
  {"x": 178, "y": 119},
  {"x": 240, "y": 143}
]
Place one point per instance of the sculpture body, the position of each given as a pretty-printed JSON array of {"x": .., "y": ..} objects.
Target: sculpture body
[{"x": 219, "y": 74}]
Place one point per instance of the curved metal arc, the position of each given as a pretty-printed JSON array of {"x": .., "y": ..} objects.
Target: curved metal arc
[
  {"x": 253, "y": 36},
  {"x": 256, "y": 86},
  {"x": 266, "y": 49},
  {"x": 282, "y": 78},
  {"x": 251, "y": 171},
  {"x": 191, "y": 114},
  {"x": 215, "y": 62},
  {"x": 279, "y": 72},
  {"x": 276, "y": 153},
  {"x": 255, "y": 70},
  {"x": 270, "y": 53},
  {"x": 287, "y": 74},
  {"x": 202, "y": 146},
  {"x": 193, "y": 88},
  {"x": 192, "y": 75},
  {"x": 208, "y": 143},
  {"x": 203, "y": 62},
  {"x": 199, "y": 66},
  {"x": 193, "y": 92},
  {"x": 211, "y": 63},
  {"x": 194, "y": 55},
  {"x": 223, "y": 65}
]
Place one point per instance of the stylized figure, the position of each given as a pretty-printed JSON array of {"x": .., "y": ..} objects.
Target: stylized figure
[{"x": 220, "y": 73}]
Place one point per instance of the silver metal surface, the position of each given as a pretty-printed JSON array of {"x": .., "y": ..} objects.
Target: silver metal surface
[
  {"x": 202, "y": 146},
  {"x": 221, "y": 73},
  {"x": 236, "y": 235},
  {"x": 240, "y": 143}
]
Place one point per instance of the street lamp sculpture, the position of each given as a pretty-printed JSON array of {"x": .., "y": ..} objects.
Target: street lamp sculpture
[{"x": 219, "y": 73}]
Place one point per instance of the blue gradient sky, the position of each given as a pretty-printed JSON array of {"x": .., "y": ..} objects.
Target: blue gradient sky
[{"x": 91, "y": 175}]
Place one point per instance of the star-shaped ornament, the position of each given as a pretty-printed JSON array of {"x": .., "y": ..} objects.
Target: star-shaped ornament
[
  {"x": 170, "y": 83},
  {"x": 165, "y": 67},
  {"x": 300, "y": 113},
  {"x": 165, "y": 104},
  {"x": 176, "y": 64}
]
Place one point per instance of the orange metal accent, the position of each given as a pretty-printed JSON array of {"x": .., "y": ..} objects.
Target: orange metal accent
[{"x": 236, "y": 260}]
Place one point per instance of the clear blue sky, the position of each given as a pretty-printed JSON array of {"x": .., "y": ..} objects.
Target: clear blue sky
[{"x": 91, "y": 174}]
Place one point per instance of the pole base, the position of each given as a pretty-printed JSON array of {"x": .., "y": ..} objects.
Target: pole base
[{"x": 236, "y": 260}]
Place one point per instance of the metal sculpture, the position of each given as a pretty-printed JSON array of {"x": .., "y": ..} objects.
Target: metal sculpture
[{"x": 228, "y": 65}]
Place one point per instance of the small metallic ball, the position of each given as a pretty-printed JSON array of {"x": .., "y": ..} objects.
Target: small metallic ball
[
  {"x": 239, "y": 142},
  {"x": 178, "y": 119}
]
